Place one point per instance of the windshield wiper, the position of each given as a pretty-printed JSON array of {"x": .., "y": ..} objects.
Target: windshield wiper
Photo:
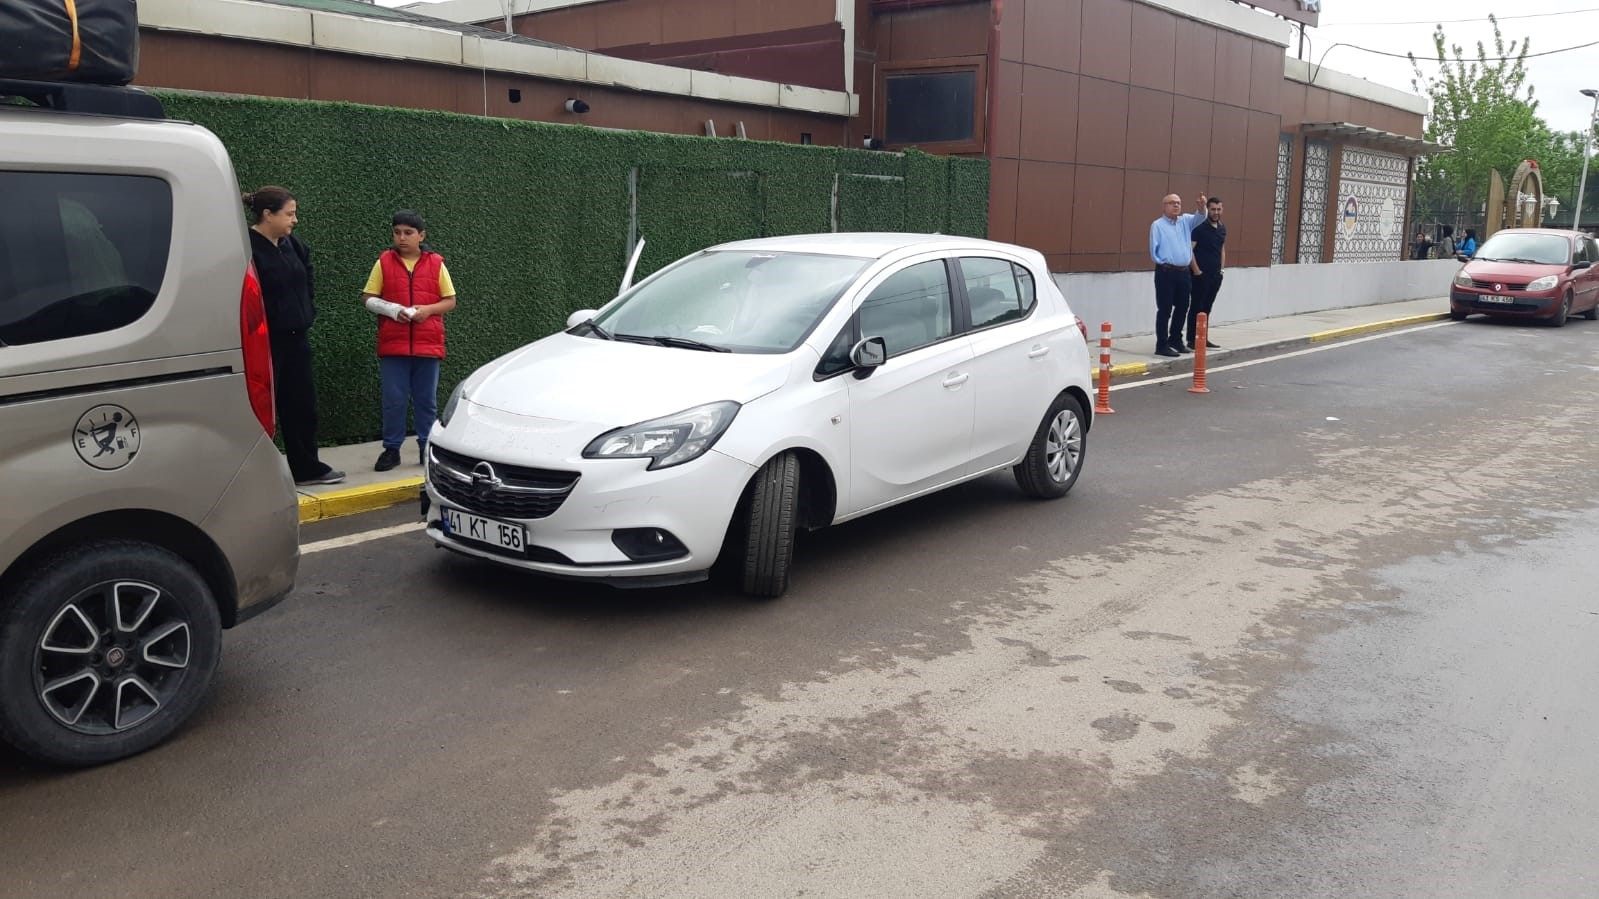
[
  {"x": 689, "y": 343},
  {"x": 595, "y": 329},
  {"x": 638, "y": 338}
]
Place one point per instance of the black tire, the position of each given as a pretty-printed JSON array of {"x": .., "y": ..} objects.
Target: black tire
[
  {"x": 770, "y": 521},
  {"x": 113, "y": 625},
  {"x": 1593, "y": 312},
  {"x": 1055, "y": 457},
  {"x": 1457, "y": 316},
  {"x": 1563, "y": 313}
]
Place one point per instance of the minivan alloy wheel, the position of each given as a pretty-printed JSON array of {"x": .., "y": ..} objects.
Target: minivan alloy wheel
[{"x": 113, "y": 655}]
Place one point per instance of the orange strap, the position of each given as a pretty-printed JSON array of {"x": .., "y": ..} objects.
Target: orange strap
[{"x": 77, "y": 43}]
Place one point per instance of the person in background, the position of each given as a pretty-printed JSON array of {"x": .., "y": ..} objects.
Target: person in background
[
  {"x": 1446, "y": 246},
  {"x": 409, "y": 290},
  {"x": 1171, "y": 248},
  {"x": 1420, "y": 245},
  {"x": 1210, "y": 258},
  {"x": 1468, "y": 244},
  {"x": 283, "y": 266}
]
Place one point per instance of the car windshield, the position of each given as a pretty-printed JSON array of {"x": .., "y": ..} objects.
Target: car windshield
[
  {"x": 732, "y": 300},
  {"x": 1542, "y": 249}
]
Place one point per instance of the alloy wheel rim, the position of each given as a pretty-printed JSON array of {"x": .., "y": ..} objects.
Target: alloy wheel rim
[
  {"x": 1063, "y": 447},
  {"x": 112, "y": 657}
]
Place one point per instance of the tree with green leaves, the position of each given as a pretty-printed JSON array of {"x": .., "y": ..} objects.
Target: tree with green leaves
[{"x": 1485, "y": 109}]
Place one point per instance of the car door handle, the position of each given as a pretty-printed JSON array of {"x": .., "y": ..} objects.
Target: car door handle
[
  {"x": 1038, "y": 352},
  {"x": 954, "y": 381}
]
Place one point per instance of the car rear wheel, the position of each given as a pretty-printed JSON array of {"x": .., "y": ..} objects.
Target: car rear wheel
[
  {"x": 1564, "y": 312},
  {"x": 1593, "y": 312},
  {"x": 1055, "y": 457},
  {"x": 770, "y": 521},
  {"x": 104, "y": 651}
]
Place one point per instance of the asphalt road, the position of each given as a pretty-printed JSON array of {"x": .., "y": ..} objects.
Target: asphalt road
[{"x": 1327, "y": 631}]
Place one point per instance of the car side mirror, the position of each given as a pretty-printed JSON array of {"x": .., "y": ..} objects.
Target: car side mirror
[
  {"x": 1579, "y": 266},
  {"x": 580, "y": 316},
  {"x": 1462, "y": 257},
  {"x": 868, "y": 355}
]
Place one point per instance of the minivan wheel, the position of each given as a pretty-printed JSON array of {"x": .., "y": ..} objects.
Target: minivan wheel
[
  {"x": 1055, "y": 457},
  {"x": 770, "y": 522},
  {"x": 104, "y": 651},
  {"x": 1564, "y": 312}
]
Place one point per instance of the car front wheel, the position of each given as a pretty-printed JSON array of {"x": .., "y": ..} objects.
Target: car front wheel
[
  {"x": 1055, "y": 457},
  {"x": 770, "y": 521},
  {"x": 104, "y": 651},
  {"x": 1564, "y": 312}
]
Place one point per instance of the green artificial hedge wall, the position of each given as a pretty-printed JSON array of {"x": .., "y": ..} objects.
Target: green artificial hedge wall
[{"x": 534, "y": 219}]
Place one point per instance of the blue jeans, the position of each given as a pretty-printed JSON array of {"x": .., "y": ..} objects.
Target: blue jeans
[{"x": 413, "y": 379}]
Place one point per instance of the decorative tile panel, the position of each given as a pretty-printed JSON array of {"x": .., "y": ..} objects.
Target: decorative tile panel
[
  {"x": 1279, "y": 212},
  {"x": 1370, "y": 222},
  {"x": 1313, "y": 200}
]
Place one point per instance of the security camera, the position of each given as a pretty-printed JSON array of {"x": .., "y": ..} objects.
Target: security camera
[
  {"x": 872, "y": 143},
  {"x": 577, "y": 106}
]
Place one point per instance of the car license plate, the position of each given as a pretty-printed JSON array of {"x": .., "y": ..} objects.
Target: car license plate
[
  {"x": 1492, "y": 299},
  {"x": 483, "y": 530}
]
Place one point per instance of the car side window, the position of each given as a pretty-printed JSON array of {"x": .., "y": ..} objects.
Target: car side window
[
  {"x": 79, "y": 253},
  {"x": 836, "y": 359},
  {"x": 995, "y": 290},
  {"x": 909, "y": 310}
]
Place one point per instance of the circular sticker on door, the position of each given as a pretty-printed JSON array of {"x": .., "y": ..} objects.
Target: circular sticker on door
[{"x": 107, "y": 437}]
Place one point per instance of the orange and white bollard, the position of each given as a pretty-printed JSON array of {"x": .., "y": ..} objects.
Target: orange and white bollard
[
  {"x": 1102, "y": 405},
  {"x": 1201, "y": 337}
]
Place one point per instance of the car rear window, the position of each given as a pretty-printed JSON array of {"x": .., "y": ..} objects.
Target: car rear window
[{"x": 79, "y": 253}]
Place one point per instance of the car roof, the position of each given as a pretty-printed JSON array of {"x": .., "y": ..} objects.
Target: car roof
[
  {"x": 864, "y": 244},
  {"x": 1552, "y": 232}
]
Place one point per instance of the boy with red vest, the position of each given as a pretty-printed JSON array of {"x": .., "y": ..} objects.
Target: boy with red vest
[{"x": 410, "y": 289}]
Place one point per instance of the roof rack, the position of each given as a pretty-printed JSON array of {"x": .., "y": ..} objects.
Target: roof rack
[{"x": 99, "y": 99}]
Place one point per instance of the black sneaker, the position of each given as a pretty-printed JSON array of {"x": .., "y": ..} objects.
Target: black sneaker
[
  {"x": 388, "y": 459},
  {"x": 1165, "y": 351},
  {"x": 330, "y": 476},
  {"x": 1181, "y": 349},
  {"x": 1212, "y": 346}
]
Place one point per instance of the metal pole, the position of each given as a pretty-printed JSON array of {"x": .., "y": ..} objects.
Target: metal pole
[{"x": 1587, "y": 138}]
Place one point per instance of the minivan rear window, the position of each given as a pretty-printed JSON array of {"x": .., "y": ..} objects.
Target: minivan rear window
[{"x": 79, "y": 253}]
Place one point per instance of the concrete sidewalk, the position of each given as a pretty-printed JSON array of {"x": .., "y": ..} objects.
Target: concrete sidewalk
[{"x": 366, "y": 490}]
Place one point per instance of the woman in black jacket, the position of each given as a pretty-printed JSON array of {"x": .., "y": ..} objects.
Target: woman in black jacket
[{"x": 283, "y": 265}]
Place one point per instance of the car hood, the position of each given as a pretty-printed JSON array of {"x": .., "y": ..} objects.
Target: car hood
[
  {"x": 614, "y": 383},
  {"x": 1511, "y": 272}
]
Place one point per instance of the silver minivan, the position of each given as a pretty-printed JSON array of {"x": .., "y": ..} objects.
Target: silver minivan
[{"x": 145, "y": 507}]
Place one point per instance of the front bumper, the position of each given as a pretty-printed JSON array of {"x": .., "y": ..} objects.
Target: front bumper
[
  {"x": 1538, "y": 304},
  {"x": 693, "y": 502}
]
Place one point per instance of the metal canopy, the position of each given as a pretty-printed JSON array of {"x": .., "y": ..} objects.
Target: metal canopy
[{"x": 1376, "y": 137}]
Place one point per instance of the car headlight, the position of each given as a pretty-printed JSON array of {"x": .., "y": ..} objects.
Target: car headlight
[
  {"x": 1547, "y": 282},
  {"x": 450, "y": 404},
  {"x": 1462, "y": 279},
  {"x": 669, "y": 440}
]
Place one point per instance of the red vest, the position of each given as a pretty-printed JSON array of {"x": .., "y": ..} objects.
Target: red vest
[{"x": 413, "y": 287}]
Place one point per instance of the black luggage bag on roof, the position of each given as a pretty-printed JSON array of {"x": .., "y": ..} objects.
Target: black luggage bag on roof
[{"x": 86, "y": 41}]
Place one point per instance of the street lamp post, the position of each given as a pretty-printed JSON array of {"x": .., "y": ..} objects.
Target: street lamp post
[{"x": 1587, "y": 138}]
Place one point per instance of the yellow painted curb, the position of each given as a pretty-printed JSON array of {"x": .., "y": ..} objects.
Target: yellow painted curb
[
  {"x": 1125, "y": 369},
  {"x": 1337, "y": 333},
  {"x": 354, "y": 500}
]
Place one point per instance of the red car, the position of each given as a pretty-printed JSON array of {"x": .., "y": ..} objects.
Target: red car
[{"x": 1530, "y": 273}]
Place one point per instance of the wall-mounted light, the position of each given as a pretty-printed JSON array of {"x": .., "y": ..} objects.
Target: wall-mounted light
[
  {"x": 872, "y": 143},
  {"x": 575, "y": 105},
  {"x": 516, "y": 95}
]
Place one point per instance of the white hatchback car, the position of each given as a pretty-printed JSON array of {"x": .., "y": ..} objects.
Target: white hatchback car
[{"x": 755, "y": 388}]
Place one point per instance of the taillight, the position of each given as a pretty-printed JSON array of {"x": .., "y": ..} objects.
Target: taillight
[
  {"x": 257, "y": 345},
  {"x": 1083, "y": 327}
]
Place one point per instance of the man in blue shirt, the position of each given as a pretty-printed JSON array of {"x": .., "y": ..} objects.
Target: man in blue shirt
[{"x": 1171, "y": 248}]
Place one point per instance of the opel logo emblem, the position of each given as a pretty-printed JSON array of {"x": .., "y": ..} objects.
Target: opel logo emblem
[{"x": 484, "y": 480}]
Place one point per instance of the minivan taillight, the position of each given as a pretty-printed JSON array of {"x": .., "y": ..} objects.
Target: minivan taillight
[{"x": 257, "y": 345}]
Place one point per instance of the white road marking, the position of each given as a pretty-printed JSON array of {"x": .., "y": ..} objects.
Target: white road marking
[
  {"x": 357, "y": 539},
  {"x": 1320, "y": 348}
]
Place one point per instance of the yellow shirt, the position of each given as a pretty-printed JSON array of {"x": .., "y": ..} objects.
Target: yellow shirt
[{"x": 374, "y": 281}]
